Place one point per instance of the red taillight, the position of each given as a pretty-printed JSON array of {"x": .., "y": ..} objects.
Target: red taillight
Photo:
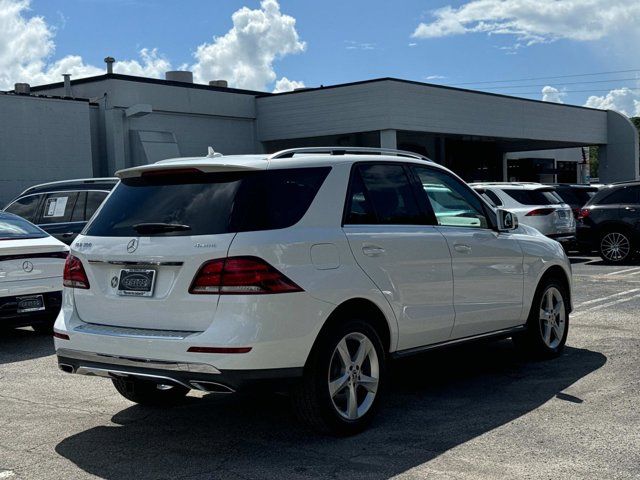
[
  {"x": 61, "y": 336},
  {"x": 539, "y": 212},
  {"x": 240, "y": 276},
  {"x": 583, "y": 213},
  {"x": 74, "y": 275}
]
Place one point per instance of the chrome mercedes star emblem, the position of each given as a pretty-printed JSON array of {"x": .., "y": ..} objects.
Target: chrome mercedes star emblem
[
  {"x": 27, "y": 266},
  {"x": 132, "y": 245}
]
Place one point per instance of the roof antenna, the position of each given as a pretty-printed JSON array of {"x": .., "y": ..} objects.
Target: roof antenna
[{"x": 211, "y": 153}]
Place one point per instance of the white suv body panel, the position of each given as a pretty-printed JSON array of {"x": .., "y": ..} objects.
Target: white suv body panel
[{"x": 495, "y": 284}]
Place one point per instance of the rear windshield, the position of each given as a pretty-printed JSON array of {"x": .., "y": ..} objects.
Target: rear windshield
[
  {"x": 534, "y": 197},
  {"x": 208, "y": 203},
  {"x": 14, "y": 228},
  {"x": 576, "y": 196}
]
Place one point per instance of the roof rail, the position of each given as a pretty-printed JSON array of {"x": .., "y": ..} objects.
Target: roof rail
[{"x": 345, "y": 150}]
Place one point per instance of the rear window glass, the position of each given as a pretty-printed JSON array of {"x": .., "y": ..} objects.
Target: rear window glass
[
  {"x": 534, "y": 197},
  {"x": 13, "y": 228},
  {"x": 209, "y": 203}
]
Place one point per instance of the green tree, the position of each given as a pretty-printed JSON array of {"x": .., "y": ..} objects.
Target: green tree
[{"x": 594, "y": 163}]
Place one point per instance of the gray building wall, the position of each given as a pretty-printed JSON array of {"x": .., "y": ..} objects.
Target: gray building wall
[{"x": 42, "y": 140}]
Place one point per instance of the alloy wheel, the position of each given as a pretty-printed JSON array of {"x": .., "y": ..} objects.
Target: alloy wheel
[
  {"x": 354, "y": 375},
  {"x": 615, "y": 246},
  {"x": 552, "y": 317}
]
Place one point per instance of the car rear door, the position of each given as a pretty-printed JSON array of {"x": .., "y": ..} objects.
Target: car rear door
[
  {"x": 487, "y": 265},
  {"x": 406, "y": 257}
]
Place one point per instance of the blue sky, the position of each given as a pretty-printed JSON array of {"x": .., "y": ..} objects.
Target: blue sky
[{"x": 344, "y": 41}]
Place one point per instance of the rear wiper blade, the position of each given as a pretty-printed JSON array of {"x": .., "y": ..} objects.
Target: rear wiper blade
[{"x": 160, "y": 227}]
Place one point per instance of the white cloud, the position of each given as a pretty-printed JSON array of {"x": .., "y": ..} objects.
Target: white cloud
[
  {"x": 244, "y": 56},
  {"x": 286, "y": 85},
  {"x": 534, "y": 21},
  {"x": 435, "y": 77},
  {"x": 552, "y": 94},
  {"x": 623, "y": 100}
]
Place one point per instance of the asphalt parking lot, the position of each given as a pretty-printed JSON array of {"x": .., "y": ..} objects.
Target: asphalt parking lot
[{"x": 473, "y": 412}]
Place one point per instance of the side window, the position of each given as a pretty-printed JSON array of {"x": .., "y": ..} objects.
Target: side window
[
  {"x": 25, "y": 207},
  {"x": 454, "y": 204},
  {"x": 57, "y": 207},
  {"x": 494, "y": 198},
  {"x": 622, "y": 196},
  {"x": 78, "y": 210},
  {"x": 360, "y": 211},
  {"x": 94, "y": 200},
  {"x": 387, "y": 191}
]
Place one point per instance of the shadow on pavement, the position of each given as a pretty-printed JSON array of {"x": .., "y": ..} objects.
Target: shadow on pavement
[
  {"x": 17, "y": 345},
  {"x": 435, "y": 402}
]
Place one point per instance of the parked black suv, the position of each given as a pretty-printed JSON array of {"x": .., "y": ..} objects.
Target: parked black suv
[
  {"x": 575, "y": 195},
  {"x": 610, "y": 222},
  {"x": 62, "y": 209}
]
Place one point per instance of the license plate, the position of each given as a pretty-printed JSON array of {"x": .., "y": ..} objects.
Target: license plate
[
  {"x": 136, "y": 282},
  {"x": 32, "y": 303}
]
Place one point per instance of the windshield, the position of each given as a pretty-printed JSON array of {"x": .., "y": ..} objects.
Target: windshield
[{"x": 16, "y": 228}]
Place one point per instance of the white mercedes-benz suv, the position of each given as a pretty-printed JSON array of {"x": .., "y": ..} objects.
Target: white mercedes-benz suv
[{"x": 308, "y": 269}]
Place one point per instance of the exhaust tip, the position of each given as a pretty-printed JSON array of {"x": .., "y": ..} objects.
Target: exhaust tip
[
  {"x": 211, "y": 387},
  {"x": 65, "y": 368}
]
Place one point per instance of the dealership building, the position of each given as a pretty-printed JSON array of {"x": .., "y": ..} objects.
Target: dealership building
[{"x": 91, "y": 127}]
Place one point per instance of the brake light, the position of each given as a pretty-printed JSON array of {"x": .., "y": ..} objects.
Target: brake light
[
  {"x": 61, "y": 336},
  {"x": 240, "y": 276},
  {"x": 74, "y": 275},
  {"x": 539, "y": 212},
  {"x": 583, "y": 213},
  {"x": 170, "y": 172}
]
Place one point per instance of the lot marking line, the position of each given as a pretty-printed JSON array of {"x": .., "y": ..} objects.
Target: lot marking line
[
  {"x": 618, "y": 272},
  {"x": 605, "y": 305},
  {"x": 602, "y": 299}
]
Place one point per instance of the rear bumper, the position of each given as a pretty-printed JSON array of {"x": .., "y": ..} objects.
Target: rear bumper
[
  {"x": 9, "y": 316},
  {"x": 198, "y": 376}
]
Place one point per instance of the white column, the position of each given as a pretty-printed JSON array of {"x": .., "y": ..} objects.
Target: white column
[{"x": 388, "y": 139}]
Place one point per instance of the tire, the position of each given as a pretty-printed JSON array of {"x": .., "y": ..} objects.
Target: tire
[
  {"x": 149, "y": 393},
  {"x": 547, "y": 327},
  {"x": 327, "y": 369},
  {"x": 615, "y": 246}
]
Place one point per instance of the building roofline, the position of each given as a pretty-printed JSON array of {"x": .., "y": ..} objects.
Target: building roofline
[
  {"x": 155, "y": 81},
  {"x": 423, "y": 84},
  {"x": 11, "y": 93}
]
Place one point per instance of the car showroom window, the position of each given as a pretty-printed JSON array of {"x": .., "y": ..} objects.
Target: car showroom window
[
  {"x": 25, "y": 207},
  {"x": 453, "y": 203},
  {"x": 57, "y": 207},
  {"x": 391, "y": 194}
]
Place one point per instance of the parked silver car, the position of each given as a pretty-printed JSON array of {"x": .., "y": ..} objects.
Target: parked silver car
[{"x": 536, "y": 205}]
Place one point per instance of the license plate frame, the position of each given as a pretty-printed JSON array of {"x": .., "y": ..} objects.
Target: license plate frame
[
  {"x": 38, "y": 306},
  {"x": 130, "y": 286}
]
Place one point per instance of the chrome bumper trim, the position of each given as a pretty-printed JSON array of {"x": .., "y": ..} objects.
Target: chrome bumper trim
[
  {"x": 112, "y": 331},
  {"x": 135, "y": 362},
  {"x": 142, "y": 263}
]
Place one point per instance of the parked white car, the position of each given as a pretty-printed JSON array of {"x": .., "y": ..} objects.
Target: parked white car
[
  {"x": 308, "y": 268},
  {"x": 31, "y": 265},
  {"x": 536, "y": 205}
]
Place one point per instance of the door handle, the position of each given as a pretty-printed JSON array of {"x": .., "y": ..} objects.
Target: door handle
[
  {"x": 66, "y": 234},
  {"x": 630, "y": 209},
  {"x": 373, "y": 250},
  {"x": 461, "y": 248}
]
